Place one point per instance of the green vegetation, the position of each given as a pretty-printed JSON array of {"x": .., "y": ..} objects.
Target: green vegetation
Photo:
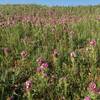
[{"x": 49, "y": 53}]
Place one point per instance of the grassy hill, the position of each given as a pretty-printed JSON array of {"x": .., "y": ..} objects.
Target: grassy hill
[{"x": 49, "y": 53}]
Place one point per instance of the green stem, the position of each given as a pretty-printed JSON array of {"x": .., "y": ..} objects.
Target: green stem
[{"x": 29, "y": 95}]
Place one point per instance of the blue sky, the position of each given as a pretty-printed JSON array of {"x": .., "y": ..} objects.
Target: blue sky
[{"x": 52, "y": 2}]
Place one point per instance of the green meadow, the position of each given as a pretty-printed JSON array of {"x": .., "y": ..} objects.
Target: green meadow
[{"x": 49, "y": 53}]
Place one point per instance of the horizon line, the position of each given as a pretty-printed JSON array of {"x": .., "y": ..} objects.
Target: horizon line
[{"x": 50, "y": 5}]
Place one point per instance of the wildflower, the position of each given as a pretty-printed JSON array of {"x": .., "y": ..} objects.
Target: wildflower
[
  {"x": 87, "y": 98},
  {"x": 73, "y": 54},
  {"x": 42, "y": 67},
  {"x": 24, "y": 54},
  {"x": 28, "y": 85},
  {"x": 45, "y": 65},
  {"x": 92, "y": 87},
  {"x": 40, "y": 60},
  {"x": 97, "y": 91},
  {"x": 93, "y": 43}
]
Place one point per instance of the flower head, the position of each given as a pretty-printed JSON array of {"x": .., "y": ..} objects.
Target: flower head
[
  {"x": 40, "y": 60},
  {"x": 28, "y": 85},
  {"x": 87, "y": 98},
  {"x": 42, "y": 67},
  {"x": 24, "y": 54},
  {"x": 45, "y": 65},
  {"x": 93, "y": 43},
  {"x": 92, "y": 87},
  {"x": 97, "y": 91}
]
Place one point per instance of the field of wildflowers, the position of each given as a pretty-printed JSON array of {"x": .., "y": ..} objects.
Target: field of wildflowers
[{"x": 49, "y": 53}]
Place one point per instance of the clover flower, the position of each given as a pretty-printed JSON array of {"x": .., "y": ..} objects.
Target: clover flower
[
  {"x": 97, "y": 91},
  {"x": 28, "y": 85},
  {"x": 42, "y": 67},
  {"x": 92, "y": 42},
  {"x": 87, "y": 98},
  {"x": 92, "y": 87},
  {"x": 24, "y": 54},
  {"x": 40, "y": 61},
  {"x": 45, "y": 65}
]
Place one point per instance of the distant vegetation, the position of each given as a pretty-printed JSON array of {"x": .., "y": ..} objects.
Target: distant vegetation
[{"x": 49, "y": 53}]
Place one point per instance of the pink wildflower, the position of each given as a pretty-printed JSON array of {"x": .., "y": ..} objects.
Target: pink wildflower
[
  {"x": 97, "y": 91},
  {"x": 45, "y": 65},
  {"x": 40, "y": 60},
  {"x": 93, "y": 43},
  {"x": 24, "y": 54},
  {"x": 42, "y": 67},
  {"x": 87, "y": 98},
  {"x": 28, "y": 85},
  {"x": 92, "y": 86}
]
